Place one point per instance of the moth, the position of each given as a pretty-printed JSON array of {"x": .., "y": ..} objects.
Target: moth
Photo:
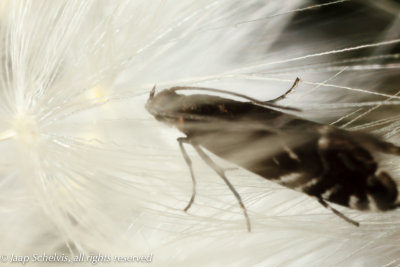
[{"x": 322, "y": 161}]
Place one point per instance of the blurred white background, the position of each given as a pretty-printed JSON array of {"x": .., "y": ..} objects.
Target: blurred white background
[{"x": 85, "y": 169}]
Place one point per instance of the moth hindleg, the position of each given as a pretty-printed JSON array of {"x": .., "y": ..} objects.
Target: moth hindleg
[
  {"x": 296, "y": 82},
  {"x": 182, "y": 140},
  {"x": 338, "y": 213},
  {"x": 221, "y": 173}
]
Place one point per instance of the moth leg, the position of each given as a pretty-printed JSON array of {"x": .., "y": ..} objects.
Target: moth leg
[
  {"x": 338, "y": 213},
  {"x": 221, "y": 173},
  {"x": 296, "y": 82},
  {"x": 182, "y": 140}
]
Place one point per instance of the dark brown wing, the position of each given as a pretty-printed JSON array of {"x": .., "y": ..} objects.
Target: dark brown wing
[{"x": 319, "y": 160}]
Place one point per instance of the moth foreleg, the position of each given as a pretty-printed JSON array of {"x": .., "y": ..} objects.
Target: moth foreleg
[
  {"x": 296, "y": 82},
  {"x": 182, "y": 140},
  {"x": 338, "y": 213},
  {"x": 221, "y": 173}
]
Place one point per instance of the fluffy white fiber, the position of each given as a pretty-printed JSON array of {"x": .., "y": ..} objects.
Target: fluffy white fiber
[{"x": 85, "y": 169}]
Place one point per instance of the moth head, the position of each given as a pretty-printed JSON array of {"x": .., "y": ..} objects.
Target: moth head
[
  {"x": 163, "y": 105},
  {"x": 383, "y": 189}
]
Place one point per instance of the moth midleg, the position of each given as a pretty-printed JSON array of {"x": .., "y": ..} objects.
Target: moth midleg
[
  {"x": 221, "y": 173},
  {"x": 182, "y": 140},
  {"x": 338, "y": 213},
  {"x": 296, "y": 82}
]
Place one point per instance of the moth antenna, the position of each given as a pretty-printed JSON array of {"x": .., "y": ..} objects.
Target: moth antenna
[
  {"x": 295, "y": 84},
  {"x": 255, "y": 101}
]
